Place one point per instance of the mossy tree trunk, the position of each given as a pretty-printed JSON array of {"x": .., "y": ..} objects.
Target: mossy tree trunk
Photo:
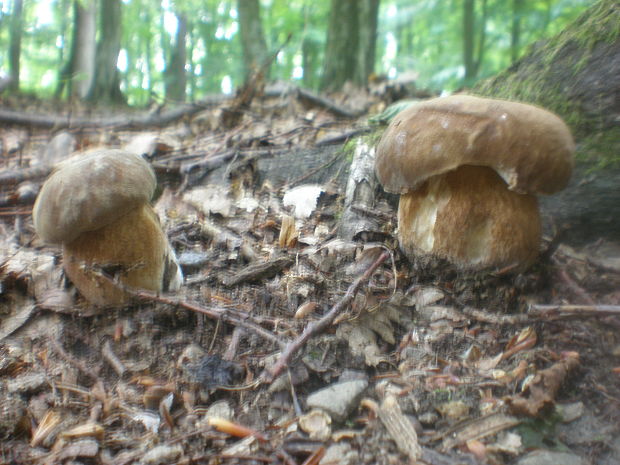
[{"x": 575, "y": 74}]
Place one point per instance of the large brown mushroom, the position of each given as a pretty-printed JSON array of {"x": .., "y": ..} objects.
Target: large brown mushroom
[
  {"x": 468, "y": 170},
  {"x": 97, "y": 206}
]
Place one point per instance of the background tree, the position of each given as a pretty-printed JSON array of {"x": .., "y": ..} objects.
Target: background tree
[
  {"x": 15, "y": 46},
  {"x": 175, "y": 76},
  {"x": 106, "y": 83},
  {"x": 351, "y": 41},
  {"x": 78, "y": 73},
  {"x": 515, "y": 36},
  {"x": 424, "y": 38},
  {"x": 255, "y": 54},
  {"x": 473, "y": 53}
]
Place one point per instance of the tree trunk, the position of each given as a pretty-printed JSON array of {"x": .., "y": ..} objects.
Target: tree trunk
[
  {"x": 175, "y": 76},
  {"x": 468, "y": 39},
  {"x": 106, "y": 86},
  {"x": 351, "y": 43},
  {"x": 515, "y": 36},
  {"x": 472, "y": 55},
  {"x": 367, "y": 43},
  {"x": 575, "y": 74},
  {"x": 15, "y": 46},
  {"x": 253, "y": 43},
  {"x": 84, "y": 48}
]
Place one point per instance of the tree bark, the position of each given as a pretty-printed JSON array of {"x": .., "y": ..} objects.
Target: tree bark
[
  {"x": 351, "y": 43},
  {"x": 106, "y": 85},
  {"x": 15, "y": 45},
  {"x": 473, "y": 55},
  {"x": 515, "y": 35},
  {"x": 175, "y": 76},
  {"x": 367, "y": 45},
  {"x": 84, "y": 48},
  {"x": 253, "y": 43},
  {"x": 341, "y": 46}
]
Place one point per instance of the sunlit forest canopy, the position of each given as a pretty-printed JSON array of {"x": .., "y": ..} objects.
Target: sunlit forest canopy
[{"x": 185, "y": 49}]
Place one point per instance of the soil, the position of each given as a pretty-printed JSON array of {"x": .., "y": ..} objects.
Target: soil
[{"x": 483, "y": 367}]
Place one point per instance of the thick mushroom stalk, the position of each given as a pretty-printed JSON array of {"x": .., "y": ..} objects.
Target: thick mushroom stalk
[
  {"x": 468, "y": 170},
  {"x": 97, "y": 206}
]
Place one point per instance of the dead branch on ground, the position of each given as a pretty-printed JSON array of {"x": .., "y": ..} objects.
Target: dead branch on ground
[{"x": 320, "y": 325}]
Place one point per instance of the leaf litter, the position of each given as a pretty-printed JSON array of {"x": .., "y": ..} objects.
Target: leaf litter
[{"x": 453, "y": 363}]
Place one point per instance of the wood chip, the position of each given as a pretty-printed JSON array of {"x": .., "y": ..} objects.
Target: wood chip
[{"x": 400, "y": 428}]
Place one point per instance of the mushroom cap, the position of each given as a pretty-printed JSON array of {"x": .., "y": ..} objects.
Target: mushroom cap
[
  {"x": 90, "y": 191},
  {"x": 530, "y": 148}
]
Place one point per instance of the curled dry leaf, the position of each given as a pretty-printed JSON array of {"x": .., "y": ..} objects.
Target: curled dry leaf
[
  {"x": 46, "y": 428},
  {"x": 540, "y": 393},
  {"x": 317, "y": 424},
  {"x": 306, "y": 309}
]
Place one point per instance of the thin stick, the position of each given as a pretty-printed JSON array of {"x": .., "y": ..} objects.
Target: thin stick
[
  {"x": 320, "y": 325},
  {"x": 212, "y": 312},
  {"x": 572, "y": 310}
]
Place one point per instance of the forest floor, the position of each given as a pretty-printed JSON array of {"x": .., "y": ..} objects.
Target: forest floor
[{"x": 291, "y": 346}]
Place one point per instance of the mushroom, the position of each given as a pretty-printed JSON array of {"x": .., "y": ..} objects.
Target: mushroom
[
  {"x": 97, "y": 206},
  {"x": 468, "y": 170}
]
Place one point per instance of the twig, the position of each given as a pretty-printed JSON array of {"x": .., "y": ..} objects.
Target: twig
[
  {"x": 72, "y": 360},
  {"x": 320, "y": 325},
  {"x": 570, "y": 282},
  {"x": 488, "y": 317},
  {"x": 328, "y": 104},
  {"x": 213, "y": 312},
  {"x": 572, "y": 310},
  {"x": 258, "y": 271},
  {"x": 112, "y": 359}
]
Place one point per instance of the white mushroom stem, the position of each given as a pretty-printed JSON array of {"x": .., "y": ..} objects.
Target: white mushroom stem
[{"x": 470, "y": 217}]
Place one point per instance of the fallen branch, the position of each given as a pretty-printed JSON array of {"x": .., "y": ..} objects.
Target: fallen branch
[
  {"x": 134, "y": 121},
  {"x": 330, "y": 105},
  {"x": 573, "y": 310},
  {"x": 317, "y": 327}
]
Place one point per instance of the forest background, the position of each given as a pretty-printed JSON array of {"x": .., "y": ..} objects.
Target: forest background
[{"x": 146, "y": 51}]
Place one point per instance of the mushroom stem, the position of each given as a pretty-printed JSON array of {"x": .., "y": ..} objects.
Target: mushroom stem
[
  {"x": 133, "y": 248},
  {"x": 470, "y": 217}
]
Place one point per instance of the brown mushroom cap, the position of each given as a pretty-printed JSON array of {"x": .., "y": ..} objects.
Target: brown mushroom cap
[
  {"x": 530, "y": 148},
  {"x": 87, "y": 192}
]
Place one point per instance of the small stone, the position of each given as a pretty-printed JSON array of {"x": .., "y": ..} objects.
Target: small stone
[
  {"x": 570, "y": 412},
  {"x": 220, "y": 409},
  {"x": 546, "y": 457},
  {"x": 162, "y": 455},
  {"x": 339, "y": 399},
  {"x": 340, "y": 453}
]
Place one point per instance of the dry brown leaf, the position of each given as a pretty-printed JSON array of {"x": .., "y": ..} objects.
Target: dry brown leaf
[{"x": 539, "y": 395}]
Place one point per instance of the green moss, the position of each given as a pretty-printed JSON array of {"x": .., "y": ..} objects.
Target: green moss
[{"x": 548, "y": 75}]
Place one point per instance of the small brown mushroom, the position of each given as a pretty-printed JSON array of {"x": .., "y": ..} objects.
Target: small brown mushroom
[
  {"x": 97, "y": 206},
  {"x": 468, "y": 170}
]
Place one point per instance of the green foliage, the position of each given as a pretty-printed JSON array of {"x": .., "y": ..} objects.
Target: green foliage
[
  {"x": 424, "y": 37},
  {"x": 429, "y": 35},
  {"x": 540, "y": 433}
]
